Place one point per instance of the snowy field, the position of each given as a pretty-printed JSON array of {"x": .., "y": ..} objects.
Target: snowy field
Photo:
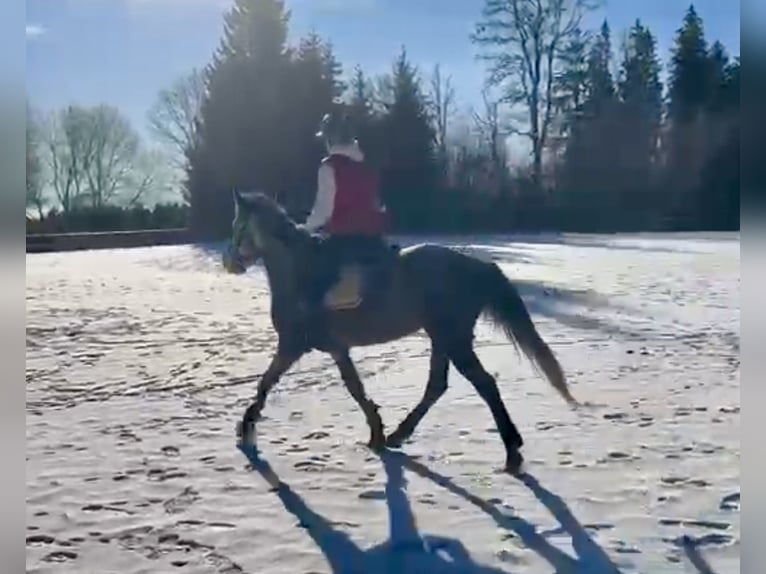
[{"x": 141, "y": 361}]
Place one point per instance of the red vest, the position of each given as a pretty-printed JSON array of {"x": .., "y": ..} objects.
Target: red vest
[{"x": 357, "y": 208}]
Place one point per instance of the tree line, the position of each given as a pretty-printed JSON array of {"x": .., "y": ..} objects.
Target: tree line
[
  {"x": 611, "y": 146},
  {"x": 89, "y": 170}
]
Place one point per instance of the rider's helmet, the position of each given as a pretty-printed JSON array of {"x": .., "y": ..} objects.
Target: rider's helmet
[{"x": 336, "y": 127}]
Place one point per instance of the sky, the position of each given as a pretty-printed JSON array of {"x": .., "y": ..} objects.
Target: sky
[{"x": 122, "y": 52}]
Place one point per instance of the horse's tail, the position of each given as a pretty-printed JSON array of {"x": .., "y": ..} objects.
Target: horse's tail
[{"x": 506, "y": 308}]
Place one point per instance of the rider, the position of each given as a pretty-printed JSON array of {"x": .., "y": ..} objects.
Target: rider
[{"x": 347, "y": 207}]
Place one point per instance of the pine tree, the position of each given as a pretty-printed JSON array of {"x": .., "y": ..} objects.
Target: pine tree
[
  {"x": 689, "y": 70},
  {"x": 572, "y": 80},
  {"x": 640, "y": 86},
  {"x": 689, "y": 97},
  {"x": 241, "y": 143},
  {"x": 591, "y": 157},
  {"x": 719, "y": 190},
  {"x": 409, "y": 174},
  {"x": 570, "y": 90},
  {"x": 315, "y": 86},
  {"x": 361, "y": 107},
  {"x": 718, "y": 77},
  {"x": 640, "y": 91},
  {"x": 333, "y": 70},
  {"x": 360, "y": 94},
  {"x": 600, "y": 82}
]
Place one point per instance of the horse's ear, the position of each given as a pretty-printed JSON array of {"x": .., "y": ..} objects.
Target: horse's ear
[{"x": 241, "y": 203}]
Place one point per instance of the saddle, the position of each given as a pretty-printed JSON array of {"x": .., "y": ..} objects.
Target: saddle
[
  {"x": 361, "y": 279},
  {"x": 346, "y": 292}
]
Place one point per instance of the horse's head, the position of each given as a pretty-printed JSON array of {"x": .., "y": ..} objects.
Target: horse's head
[
  {"x": 244, "y": 247},
  {"x": 260, "y": 226}
]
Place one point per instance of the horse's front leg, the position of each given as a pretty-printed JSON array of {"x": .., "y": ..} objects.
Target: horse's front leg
[
  {"x": 279, "y": 365},
  {"x": 355, "y": 387},
  {"x": 437, "y": 385}
]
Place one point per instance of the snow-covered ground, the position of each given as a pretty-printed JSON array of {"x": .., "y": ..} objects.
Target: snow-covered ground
[{"x": 140, "y": 362}]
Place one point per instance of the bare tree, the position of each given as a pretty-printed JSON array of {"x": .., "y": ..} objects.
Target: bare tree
[
  {"x": 443, "y": 102},
  {"x": 146, "y": 175},
  {"x": 492, "y": 131},
  {"x": 487, "y": 124},
  {"x": 94, "y": 157},
  {"x": 67, "y": 148},
  {"x": 114, "y": 148},
  {"x": 35, "y": 197},
  {"x": 522, "y": 42},
  {"x": 174, "y": 117}
]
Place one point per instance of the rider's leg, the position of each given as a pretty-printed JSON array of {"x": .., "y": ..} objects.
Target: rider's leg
[
  {"x": 326, "y": 273},
  {"x": 378, "y": 257}
]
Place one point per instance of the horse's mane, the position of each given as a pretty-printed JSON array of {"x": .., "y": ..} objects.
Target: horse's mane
[{"x": 276, "y": 220}]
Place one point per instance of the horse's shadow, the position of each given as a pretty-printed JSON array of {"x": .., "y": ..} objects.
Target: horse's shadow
[{"x": 407, "y": 551}]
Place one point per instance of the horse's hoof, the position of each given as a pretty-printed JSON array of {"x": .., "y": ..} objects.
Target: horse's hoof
[
  {"x": 394, "y": 441},
  {"x": 246, "y": 433},
  {"x": 377, "y": 443},
  {"x": 514, "y": 462}
]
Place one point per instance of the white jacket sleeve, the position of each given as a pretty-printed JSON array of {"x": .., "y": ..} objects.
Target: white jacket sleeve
[{"x": 325, "y": 199}]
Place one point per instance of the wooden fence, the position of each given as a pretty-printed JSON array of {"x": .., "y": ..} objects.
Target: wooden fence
[{"x": 105, "y": 240}]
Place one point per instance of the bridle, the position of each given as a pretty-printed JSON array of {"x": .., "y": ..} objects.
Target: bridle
[{"x": 233, "y": 253}]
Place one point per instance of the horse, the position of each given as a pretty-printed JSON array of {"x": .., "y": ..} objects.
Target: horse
[{"x": 430, "y": 287}]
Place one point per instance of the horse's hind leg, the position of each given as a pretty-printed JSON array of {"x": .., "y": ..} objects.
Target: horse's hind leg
[
  {"x": 355, "y": 387},
  {"x": 279, "y": 365},
  {"x": 437, "y": 385},
  {"x": 466, "y": 361}
]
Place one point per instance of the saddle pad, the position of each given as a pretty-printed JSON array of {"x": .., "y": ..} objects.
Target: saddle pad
[{"x": 347, "y": 292}]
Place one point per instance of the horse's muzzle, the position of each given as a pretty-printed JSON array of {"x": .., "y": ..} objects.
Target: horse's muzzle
[{"x": 232, "y": 262}]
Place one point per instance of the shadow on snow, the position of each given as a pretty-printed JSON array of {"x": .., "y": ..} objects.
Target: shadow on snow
[{"x": 407, "y": 551}]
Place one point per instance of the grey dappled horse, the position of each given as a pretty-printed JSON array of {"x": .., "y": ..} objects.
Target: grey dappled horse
[{"x": 430, "y": 287}]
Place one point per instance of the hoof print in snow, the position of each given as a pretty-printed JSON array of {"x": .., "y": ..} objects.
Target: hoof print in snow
[
  {"x": 619, "y": 455},
  {"x": 309, "y": 466},
  {"x": 615, "y": 416},
  {"x": 710, "y": 539},
  {"x": 182, "y": 501},
  {"x": 164, "y": 474},
  {"x": 40, "y": 540},
  {"x": 730, "y": 502},
  {"x": 673, "y": 480},
  {"x": 673, "y": 557},
  {"x": 709, "y": 524},
  {"x": 620, "y": 547},
  {"x": 372, "y": 495},
  {"x": 60, "y": 556},
  {"x": 170, "y": 451}
]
